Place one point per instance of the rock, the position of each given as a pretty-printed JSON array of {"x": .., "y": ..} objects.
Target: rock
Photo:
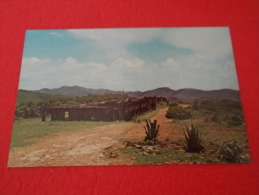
[
  {"x": 101, "y": 156},
  {"x": 212, "y": 151},
  {"x": 181, "y": 150},
  {"x": 134, "y": 158},
  {"x": 150, "y": 148},
  {"x": 145, "y": 154},
  {"x": 150, "y": 152},
  {"x": 138, "y": 146},
  {"x": 114, "y": 155}
]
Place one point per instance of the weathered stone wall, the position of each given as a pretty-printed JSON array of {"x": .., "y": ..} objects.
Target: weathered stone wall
[{"x": 107, "y": 111}]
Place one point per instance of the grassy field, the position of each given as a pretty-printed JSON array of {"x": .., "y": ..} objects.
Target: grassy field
[{"x": 25, "y": 130}]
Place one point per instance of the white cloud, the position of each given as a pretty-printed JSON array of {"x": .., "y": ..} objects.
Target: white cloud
[
  {"x": 115, "y": 41},
  {"x": 99, "y": 66},
  {"x": 130, "y": 74},
  {"x": 170, "y": 62},
  {"x": 70, "y": 60},
  {"x": 34, "y": 60},
  {"x": 209, "y": 66},
  {"x": 124, "y": 63},
  {"x": 207, "y": 43},
  {"x": 54, "y": 33}
]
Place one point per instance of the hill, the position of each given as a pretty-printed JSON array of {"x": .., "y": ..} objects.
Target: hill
[
  {"x": 25, "y": 96},
  {"x": 187, "y": 94},
  {"x": 77, "y": 91}
]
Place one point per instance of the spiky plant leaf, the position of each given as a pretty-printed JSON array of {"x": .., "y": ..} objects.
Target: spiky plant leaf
[
  {"x": 151, "y": 130},
  {"x": 192, "y": 139}
]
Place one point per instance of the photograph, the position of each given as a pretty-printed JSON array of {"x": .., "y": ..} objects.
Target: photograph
[{"x": 128, "y": 96}]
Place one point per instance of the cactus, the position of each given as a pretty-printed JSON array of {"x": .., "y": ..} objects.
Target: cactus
[
  {"x": 151, "y": 130},
  {"x": 193, "y": 139}
]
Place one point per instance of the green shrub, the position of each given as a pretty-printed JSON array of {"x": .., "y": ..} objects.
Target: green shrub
[
  {"x": 230, "y": 152},
  {"x": 173, "y": 104},
  {"x": 195, "y": 106},
  {"x": 193, "y": 139},
  {"x": 234, "y": 121},
  {"x": 215, "y": 118},
  {"x": 71, "y": 103},
  {"x": 179, "y": 113},
  {"x": 57, "y": 103},
  {"x": 151, "y": 130},
  {"x": 208, "y": 105}
]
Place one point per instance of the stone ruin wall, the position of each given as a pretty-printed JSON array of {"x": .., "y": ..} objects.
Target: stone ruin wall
[{"x": 106, "y": 111}]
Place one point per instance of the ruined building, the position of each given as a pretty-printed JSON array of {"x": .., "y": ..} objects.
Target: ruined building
[{"x": 104, "y": 111}]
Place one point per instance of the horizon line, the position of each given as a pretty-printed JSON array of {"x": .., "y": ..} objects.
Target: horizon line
[{"x": 123, "y": 90}]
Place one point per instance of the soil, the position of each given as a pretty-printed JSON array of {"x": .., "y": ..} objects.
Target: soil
[{"x": 88, "y": 147}]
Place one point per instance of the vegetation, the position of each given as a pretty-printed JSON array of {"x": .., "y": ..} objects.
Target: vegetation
[
  {"x": 27, "y": 131},
  {"x": 192, "y": 139},
  {"x": 219, "y": 120},
  {"x": 234, "y": 121},
  {"x": 151, "y": 130},
  {"x": 29, "y": 103},
  {"x": 195, "y": 106},
  {"x": 179, "y": 113},
  {"x": 149, "y": 114},
  {"x": 230, "y": 152},
  {"x": 173, "y": 104}
]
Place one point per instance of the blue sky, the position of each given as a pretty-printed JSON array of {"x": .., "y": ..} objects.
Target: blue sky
[{"x": 131, "y": 59}]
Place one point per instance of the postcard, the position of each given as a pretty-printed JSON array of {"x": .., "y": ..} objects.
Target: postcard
[{"x": 128, "y": 96}]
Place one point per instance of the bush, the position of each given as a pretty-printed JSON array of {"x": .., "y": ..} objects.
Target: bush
[
  {"x": 57, "y": 103},
  {"x": 208, "y": 105},
  {"x": 173, "y": 104},
  {"x": 230, "y": 152},
  {"x": 179, "y": 113},
  {"x": 195, "y": 106},
  {"x": 234, "y": 121},
  {"x": 192, "y": 139},
  {"x": 215, "y": 119},
  {"x": 71, "y": 103}
]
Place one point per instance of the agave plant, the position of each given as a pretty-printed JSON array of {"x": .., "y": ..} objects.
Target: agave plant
[
  {"x": 193, "y": 139},
  {"x": 151, "y": 130}
]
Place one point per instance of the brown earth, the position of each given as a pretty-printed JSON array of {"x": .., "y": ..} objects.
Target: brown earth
[{"x": 88, "y": 147}]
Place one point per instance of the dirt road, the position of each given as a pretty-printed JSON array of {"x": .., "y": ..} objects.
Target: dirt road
[{"x": 86, "y": 147}]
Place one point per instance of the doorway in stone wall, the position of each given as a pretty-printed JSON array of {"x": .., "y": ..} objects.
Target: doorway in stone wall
[{"x": 66, "y": 115}]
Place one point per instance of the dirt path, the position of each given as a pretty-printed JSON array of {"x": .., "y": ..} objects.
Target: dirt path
[{"x": 86, "y": 147}]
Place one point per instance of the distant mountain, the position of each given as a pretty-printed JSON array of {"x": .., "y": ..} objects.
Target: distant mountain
[
  {"x": 187, "y": 94},
  {"x": 76, "y": 91}
]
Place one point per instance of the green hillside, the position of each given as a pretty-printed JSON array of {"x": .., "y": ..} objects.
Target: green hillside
[{"x": 24, "y": 97}]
